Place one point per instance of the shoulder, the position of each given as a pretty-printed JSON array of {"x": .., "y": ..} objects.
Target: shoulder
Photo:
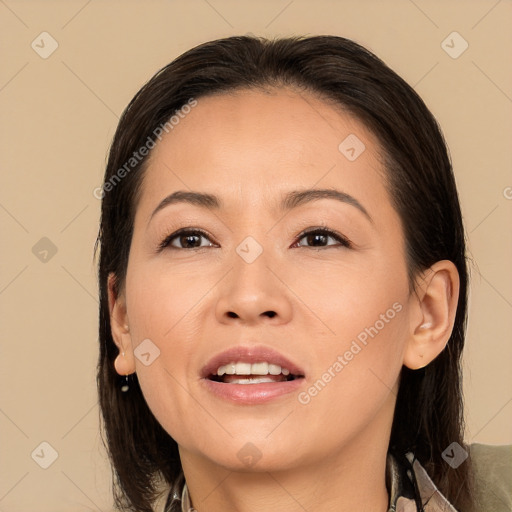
[{"x": 492, "y": 471}]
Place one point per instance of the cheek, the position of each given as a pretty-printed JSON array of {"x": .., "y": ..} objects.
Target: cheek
[
  {"x": 163, "y": 307},
  {"x": 345, "y": 299},
  {"x": 166, "y": 304},
  {"x": 159, "y": 298},
  {"x": 357, "y": 363},
  {"x": 356, "y": 377}
]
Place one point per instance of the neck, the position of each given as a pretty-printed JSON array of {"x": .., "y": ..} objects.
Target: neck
[{"x": 351, "y": 479}]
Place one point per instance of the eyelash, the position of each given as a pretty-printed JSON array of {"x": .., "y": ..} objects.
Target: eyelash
[{"x": 343, "y": 241}]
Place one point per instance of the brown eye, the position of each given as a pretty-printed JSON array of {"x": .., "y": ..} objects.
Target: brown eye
[
  {"x": 185, "y": 239},
  {"x": 321, "y": 237}
]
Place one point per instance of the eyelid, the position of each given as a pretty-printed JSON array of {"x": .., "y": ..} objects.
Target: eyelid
[
  {"x": 343, "y": 240},
  {"x": 165, "y": 243}
]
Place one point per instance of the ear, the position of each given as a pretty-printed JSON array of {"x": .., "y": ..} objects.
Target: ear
[
  {"x": 433, "y": 310},
  {"x": 125, "y": 362}
]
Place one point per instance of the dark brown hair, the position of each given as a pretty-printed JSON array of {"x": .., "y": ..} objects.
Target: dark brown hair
[{"x": 428, "y": 415}]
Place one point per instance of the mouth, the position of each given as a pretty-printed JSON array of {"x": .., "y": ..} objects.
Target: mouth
[
  {"x": 238, "y": 372},
  {"x": 246, "y": 363},
  {"x": 251, "y": 375}
]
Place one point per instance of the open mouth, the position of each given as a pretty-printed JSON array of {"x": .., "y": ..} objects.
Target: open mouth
[
  {"x": 252, "y": 379},
  {"x": 252, "y": 373}
]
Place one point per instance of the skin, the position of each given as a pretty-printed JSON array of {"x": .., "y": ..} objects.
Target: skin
[{"x": 250, "y": 148}]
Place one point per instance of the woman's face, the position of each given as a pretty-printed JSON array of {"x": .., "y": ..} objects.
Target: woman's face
[{"x": 333, "y": 308}]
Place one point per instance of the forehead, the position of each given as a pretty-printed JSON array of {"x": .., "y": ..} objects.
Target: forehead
[
  {"x": 254, "y": 144},
  {"x": 276, "y": 117}
]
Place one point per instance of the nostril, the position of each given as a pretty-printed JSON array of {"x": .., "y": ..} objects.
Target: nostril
[{"x": 270, "y": 314}]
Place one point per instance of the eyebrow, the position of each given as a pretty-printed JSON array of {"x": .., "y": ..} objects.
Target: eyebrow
[{"x": 291, "y": 200}]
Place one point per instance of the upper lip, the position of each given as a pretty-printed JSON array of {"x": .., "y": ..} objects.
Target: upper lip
[{"x": 249, "y": 354}]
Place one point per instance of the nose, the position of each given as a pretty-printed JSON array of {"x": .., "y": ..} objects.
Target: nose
[{"x": 252, "y": 293}]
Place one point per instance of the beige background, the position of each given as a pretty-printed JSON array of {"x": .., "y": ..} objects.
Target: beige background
[{"x": 58, "y": 116}]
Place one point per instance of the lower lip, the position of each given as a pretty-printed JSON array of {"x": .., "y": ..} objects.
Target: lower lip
[{"x": 252, "y": 393}]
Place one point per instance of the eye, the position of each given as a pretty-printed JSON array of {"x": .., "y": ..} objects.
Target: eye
[
  {"x": 319, "y": 237},
  {"x": 194, "y": 238},
  {"x": 185, "y": 239}
]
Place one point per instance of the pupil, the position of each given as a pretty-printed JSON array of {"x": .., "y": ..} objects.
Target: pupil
[
  {"x": 189, "y": 238},
  {"x": 317, "y": 237}
]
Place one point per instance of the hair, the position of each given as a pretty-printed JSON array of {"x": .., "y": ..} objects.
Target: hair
[{"x": 428, "y": 415}]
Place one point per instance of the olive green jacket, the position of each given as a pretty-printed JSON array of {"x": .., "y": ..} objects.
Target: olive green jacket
[{"x": 411, "y": 489}]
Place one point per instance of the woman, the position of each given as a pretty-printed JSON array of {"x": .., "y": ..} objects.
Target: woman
[{"x": 283, "y": 287}]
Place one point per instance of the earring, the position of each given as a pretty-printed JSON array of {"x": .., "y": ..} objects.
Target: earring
[{"x": 125, "y": 385}]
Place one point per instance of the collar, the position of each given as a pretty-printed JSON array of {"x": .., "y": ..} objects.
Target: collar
[{"x": 410, "y": 488}]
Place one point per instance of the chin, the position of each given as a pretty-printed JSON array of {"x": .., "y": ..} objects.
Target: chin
[{"x": 243, "y": 455}]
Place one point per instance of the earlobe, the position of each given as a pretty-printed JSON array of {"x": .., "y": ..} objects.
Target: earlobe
[
  {"x": 433, "y": 314},
  {"x": 124, "y": 363}
]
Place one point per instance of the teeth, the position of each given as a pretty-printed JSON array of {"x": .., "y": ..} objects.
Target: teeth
[
  {"x": 274, "y": 369},
  {"x": 252, "y": 380},
  {"x": 230, "y": 368},
  {"x": 262, "y": 368},
  {"x": 243, "y": 369}
]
